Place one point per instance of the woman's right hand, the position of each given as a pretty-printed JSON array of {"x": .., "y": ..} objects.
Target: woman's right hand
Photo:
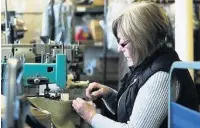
[{"x": 96, "y": 90}]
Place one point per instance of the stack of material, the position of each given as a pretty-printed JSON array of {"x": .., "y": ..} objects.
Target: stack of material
[
  {"x": 43, "y": 116},
  {"x": 96, "y": 30},
  {"x": 62, "y": 113}
]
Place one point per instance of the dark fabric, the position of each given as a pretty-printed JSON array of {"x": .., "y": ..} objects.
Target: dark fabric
[
  {"x": 161, "y": 60},
  {"x": 33, "y": 122}
]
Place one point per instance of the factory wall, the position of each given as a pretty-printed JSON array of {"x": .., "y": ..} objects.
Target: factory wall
[{"x": 30, "y": 12}]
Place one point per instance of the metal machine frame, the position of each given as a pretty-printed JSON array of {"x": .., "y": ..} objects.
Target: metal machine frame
[
  {"x": 16, "y": 104},
  {"x": 12, "y": 90}
]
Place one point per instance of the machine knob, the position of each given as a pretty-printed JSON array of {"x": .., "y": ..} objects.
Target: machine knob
[
  {"x": 36, "y": 81},
  {"x": 4, "y": 59}
]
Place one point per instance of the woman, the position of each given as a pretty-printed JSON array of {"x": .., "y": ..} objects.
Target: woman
[{"x": 142, "y": 100}]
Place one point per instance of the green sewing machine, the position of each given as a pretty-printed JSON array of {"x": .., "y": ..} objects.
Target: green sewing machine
[
  {"x": 46, "y": 73},
  {"x": 36, "y": 74}
]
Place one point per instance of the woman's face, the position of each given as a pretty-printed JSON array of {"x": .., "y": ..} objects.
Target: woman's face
[{"x": 125, "y": 46}]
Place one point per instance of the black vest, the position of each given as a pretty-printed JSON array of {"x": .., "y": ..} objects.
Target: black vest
[{"x": 161, "y": 60}]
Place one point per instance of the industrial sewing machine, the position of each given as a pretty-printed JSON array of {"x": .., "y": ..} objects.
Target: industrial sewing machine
[
  {"x": 44, "y": 65},
  {"x": 46, "y": 53},
  {"x": 36, "y": 74},
  {"x": 30, "y": 66},
  {"x": 17, "y": 75}
]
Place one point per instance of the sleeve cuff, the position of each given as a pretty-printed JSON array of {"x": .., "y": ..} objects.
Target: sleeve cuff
[{"x": 97, "y": 120}]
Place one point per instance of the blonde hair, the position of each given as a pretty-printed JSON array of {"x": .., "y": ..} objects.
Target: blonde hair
[{"x": 145, "y": 24}]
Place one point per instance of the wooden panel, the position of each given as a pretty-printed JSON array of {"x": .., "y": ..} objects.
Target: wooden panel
[
  {"x": 31, "y": 13},
  {"x": 33, "y": 23}
]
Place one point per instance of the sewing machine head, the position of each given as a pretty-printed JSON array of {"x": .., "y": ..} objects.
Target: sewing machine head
[
  {"x": 37, "y": 74},
  {"x": 46, "y": 73},
  {"x": 51, "y": 67}
]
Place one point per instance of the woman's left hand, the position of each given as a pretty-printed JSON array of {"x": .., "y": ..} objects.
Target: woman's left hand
[{"x": 85, "y": 109}]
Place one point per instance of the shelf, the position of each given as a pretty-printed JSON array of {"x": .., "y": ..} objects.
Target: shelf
[
  {"x": 91, "y": 43},
  {"x": 173, "y": 1},
  {"x": 92, "y": 10},
  {"x": 165, "y": 1},
  {"x": 80, "y": 10}
]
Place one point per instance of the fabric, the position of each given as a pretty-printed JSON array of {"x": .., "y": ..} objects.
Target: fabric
[
  {"x": 38, "y": 119},
  {"x": 62, "y": 114},
  {"x": 56, "y": 15}
]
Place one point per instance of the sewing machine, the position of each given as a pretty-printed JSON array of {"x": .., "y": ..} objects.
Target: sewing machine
[
  {"x": 36, "y": 74},
  {"x": 40, "y": 67},
  {"x": 46, "y": 73},
  {"x": 40, "y": 53},
  {"x": 17, "y": 75}
]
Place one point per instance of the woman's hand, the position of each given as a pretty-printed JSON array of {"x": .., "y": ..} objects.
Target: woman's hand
[
  {"x": 85, "y": 109},
  {"x": 96, "y": 90}
]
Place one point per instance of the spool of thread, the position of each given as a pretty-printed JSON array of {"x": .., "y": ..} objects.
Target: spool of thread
[{"x": 89, "y": 71}]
